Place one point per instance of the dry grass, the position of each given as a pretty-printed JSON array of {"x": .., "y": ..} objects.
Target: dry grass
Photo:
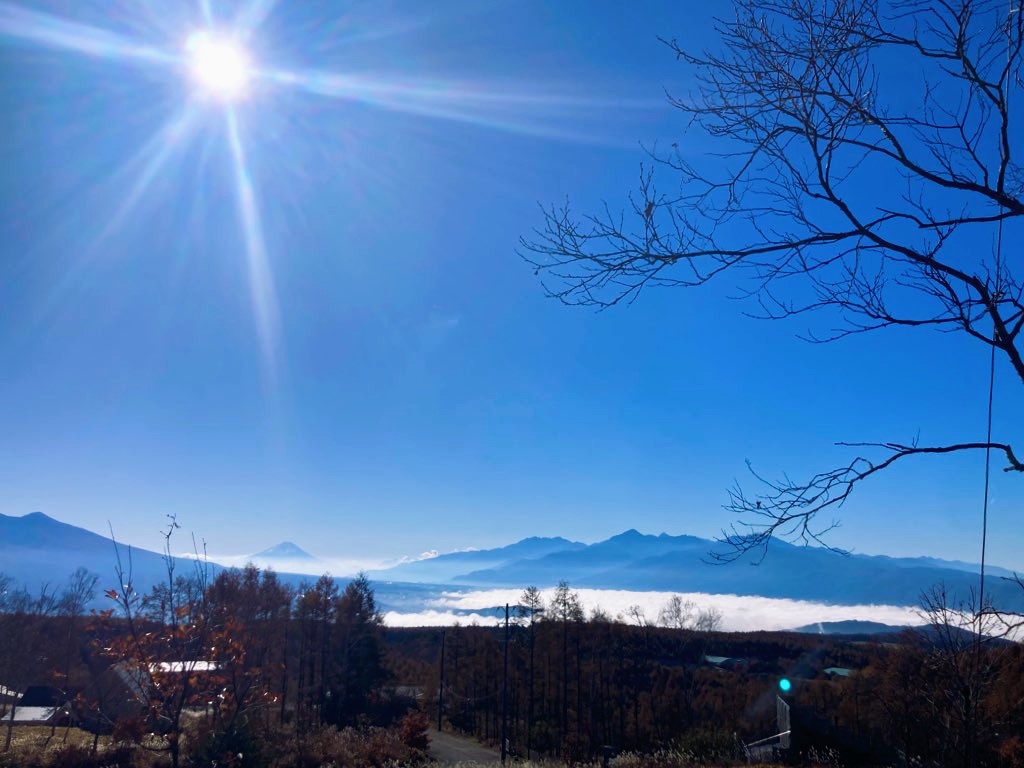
[
  {"x": 41, "y": 747},
  {"x": 36, "y": 737}
]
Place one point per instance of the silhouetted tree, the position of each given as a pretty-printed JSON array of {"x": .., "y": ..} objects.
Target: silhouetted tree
[
  {"x": 531, "y": 605},
  {"x": 360, "y": 653},
  {"x": 677, "y": 613},
  {"x": 315, "y": 615},
  {"x": 565, "y": 608},
  {"x": 76, "y": 595},
  {"x": 865, "y": 158},
  {"x": 176, "y": 652},
  {"x": 22, "y": 618}
]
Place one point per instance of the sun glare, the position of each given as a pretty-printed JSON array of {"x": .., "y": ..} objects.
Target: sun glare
[{"x": 219, "y": 66}]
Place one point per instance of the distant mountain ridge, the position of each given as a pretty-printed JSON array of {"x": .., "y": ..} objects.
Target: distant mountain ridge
[
  {"x": 449, "y": 567},
  {"x": 849, "y": 627},
  {"x": 36, "y": 549},
  {"x": 642, "y": 562}
]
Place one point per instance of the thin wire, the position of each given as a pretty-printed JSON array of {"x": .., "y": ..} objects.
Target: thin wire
[
  {"x": 988, "y": 455},
  {"x": 995, "y": 338}
]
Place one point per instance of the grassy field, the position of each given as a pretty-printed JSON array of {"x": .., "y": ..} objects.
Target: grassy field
[
  {"x": 31, "y": 737},
  {"x": 39, "y": 745}
]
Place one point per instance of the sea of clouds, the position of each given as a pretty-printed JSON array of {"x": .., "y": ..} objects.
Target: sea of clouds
[
  {"x": 340, "y": 567},
  {"x": 317, "y": 566},
  {"x": 740, "y": 613}
]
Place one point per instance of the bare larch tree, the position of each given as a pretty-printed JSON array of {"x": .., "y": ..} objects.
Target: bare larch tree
[{"x": 865, "y": 170}]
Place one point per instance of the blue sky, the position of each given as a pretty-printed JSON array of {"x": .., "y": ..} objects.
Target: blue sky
[{"x": 420, "y": 392}]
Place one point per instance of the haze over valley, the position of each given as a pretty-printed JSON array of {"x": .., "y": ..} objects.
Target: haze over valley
[{"x": 793, "y": 587}]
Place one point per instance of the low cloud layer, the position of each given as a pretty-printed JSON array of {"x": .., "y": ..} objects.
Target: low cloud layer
[
  {"x": 339, "y": 567},
  {"x": 739, "y": 613},
  {"x": 336, "y": 566}
]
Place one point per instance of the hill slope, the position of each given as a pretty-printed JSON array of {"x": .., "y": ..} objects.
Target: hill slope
[
  {"x": 36, "y": 550},
  {"x": 449, "y": 567}
]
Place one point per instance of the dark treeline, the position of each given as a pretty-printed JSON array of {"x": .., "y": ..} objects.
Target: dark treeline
[
  {"x": 195, "y": 671},
  {"x": 576, "y": 685},
  {"x": 200, "y": 669}
]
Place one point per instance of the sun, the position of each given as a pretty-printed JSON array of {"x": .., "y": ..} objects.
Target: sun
[
  {"x": 214, "y": 71},
  {"x": 219, "y": 67}
]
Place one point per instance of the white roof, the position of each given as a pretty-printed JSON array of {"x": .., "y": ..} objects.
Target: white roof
[
  {"x": 31, "y": 714},
  {"x": 184, "y": 666}
]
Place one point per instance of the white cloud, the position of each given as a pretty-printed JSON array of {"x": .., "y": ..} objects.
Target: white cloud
[
  {"x": 334, "y": 566},
  {"x": 437, "y": 619},
  {"x": 430, "y": 554},
  {"x": 740, "y": 613}
]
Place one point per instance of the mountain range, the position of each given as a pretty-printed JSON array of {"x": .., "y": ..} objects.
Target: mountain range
[
  {"x": 36, "y": 549},
  {"x": 642, "y": 562}
]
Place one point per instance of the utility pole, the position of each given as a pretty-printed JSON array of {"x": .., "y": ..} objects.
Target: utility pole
[
  {"x": 440, "y": 690},
  {"x": 504, "y": 698}
]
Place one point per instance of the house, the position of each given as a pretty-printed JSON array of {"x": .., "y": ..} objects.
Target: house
[
  {"x": 124, "y": 690},
  {"x": 730, "y": 663},
  {"x": 834, "y": 672},
  {"x": 412, "y": 693},
  {"x": 113, "y": 694},
  {"x": 40, "y": 705},
  {"x": 180, "y": 667}
]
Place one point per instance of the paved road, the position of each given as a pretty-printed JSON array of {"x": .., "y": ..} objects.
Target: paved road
[{"x": 449, "y": 749}]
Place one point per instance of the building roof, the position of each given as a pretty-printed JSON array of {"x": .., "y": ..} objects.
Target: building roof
[
  {"x": 138, "y": 683},
  {"x": 408, "y": 691},
  {"x": 723, "y": 661},
  {"x": 133, "y": 678},
  {"x": 840, "y": 671},
  {"x": 184, "y": 666},
  {"x": 31, "y": 715}
]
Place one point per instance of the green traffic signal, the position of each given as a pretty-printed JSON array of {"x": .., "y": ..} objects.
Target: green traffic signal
[{"x": 784, "y": 685}]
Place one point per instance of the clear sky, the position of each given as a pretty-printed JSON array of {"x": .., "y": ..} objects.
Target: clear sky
[{"x": 355, "y": 358}]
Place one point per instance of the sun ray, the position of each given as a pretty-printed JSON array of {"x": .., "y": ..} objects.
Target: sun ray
[
  {"x": 54, "y": 32},
  {"x": 252, "y": 16},
  {"x": 522, "y": 109},
  {"x": 154, "y": 155},
  {"x": 261, "y": 280},
  {"x": 206, "y": 12},
  {"x": 215, "y": 62}
]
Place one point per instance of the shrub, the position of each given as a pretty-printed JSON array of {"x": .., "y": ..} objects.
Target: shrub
[
  {"x": 328, "y": 747},
  {"x": 413, "y": 730}
]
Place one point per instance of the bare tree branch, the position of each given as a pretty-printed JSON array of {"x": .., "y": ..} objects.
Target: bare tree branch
[{"x": 834, "y": 192}]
